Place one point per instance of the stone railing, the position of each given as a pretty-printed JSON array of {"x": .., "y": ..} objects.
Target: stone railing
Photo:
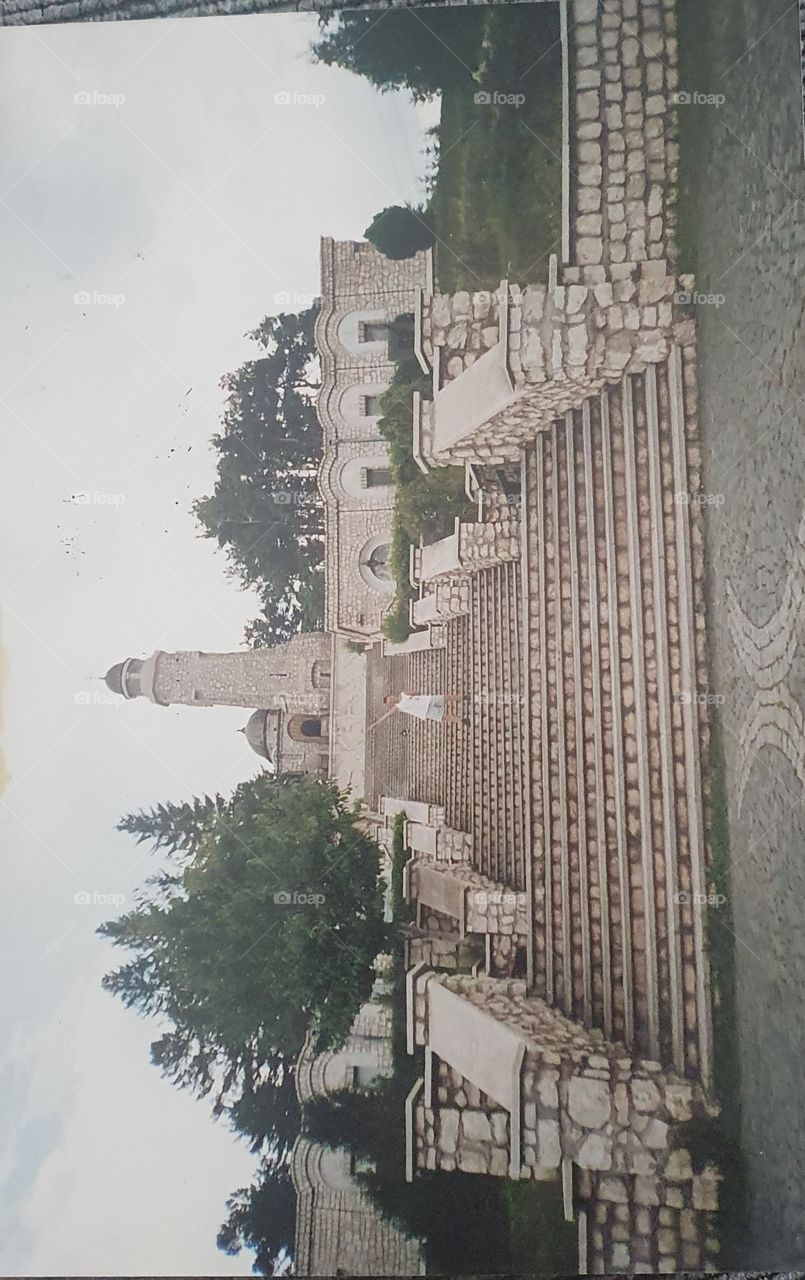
[
  {"x": 473, "y": 545},
  {"x": 480, "y": 905},
  {"x": 584, "y": 1106},
  {"x": 555, "y": 347}
]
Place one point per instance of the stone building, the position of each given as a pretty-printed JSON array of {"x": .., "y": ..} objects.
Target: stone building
[
  {"x": 308, "y": 696},
  {"x": 338, "y": 1229},
  {"x": 366, "y": 322}
]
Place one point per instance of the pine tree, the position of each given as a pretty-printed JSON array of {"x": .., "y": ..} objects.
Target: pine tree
[{"x": 175, "y": 828}]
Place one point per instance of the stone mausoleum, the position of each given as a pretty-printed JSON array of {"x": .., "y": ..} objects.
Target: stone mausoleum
[{"x": 558, "y": 986}]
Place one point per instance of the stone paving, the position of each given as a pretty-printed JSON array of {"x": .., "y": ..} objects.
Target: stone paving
[{"x": 752, "y": 382}]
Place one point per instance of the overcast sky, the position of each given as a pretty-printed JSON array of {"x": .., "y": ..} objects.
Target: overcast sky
[{"x": 147, "y": 168}]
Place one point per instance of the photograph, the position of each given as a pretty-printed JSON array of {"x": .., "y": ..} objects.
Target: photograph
[{"x": 402, "y": 638}]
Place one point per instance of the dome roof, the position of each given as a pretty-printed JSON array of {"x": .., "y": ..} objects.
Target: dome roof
[
  {"x": 256, "y": 731},
  {"x": 114, "y": 678}
]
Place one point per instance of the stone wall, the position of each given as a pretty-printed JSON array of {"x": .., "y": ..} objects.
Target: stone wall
[
  {"x": 338, "y": 1228},
  {"x": 476, "y": 544},
  {"x": 484, "y": 543},
  {"x": 562, "y": 345},
  {"x": 437, "y": 951},
  {"x": 623, "y": 183},
  {"x": 444, "y": 598},
  {"x": 453, "y": 846},
  {"x": 357, "y": 281},
  {"x": 611, "y": 1115},
  {"x": 489, "y": 907},
  {"x": 368, "y": 1046},
  {"x": 436, "y": 942}
]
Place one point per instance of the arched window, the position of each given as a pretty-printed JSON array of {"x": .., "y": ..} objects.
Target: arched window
[
  {"x": 366, "y": 472},
  {"x": 359, "y": 404},
  {"x": 365, "y": 333},
  {"x": 306, "y": 729}
]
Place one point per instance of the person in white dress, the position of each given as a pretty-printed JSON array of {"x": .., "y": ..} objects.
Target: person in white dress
[{"x": 443, "y": 707}]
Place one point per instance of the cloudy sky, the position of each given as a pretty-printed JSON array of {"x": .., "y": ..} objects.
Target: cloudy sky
[{"x": 155, "y": 203}]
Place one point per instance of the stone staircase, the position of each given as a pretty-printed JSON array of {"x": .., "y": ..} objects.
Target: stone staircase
[
  {"x": 496, "y": 681},
  {"x": 477, "y": 772},
  {"x": 615, "y": 623},
  {"x": 417, "y": 759}
]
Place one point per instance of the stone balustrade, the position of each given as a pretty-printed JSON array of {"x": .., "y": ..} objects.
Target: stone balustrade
[
  {"x": 473, "y": 545},
  {"x": 455, "y": 889},
  {"x": 546, "y": 348},
  {"x": 568, "y": 1100}
]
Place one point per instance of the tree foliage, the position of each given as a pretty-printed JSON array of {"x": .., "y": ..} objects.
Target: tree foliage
[
  {"x": 265, "y": 511},
  {"x": 175, "y": 828},
  {"x": 400, "y": 231},
  {"x": 262, "y": 1217},
  {"x": 270, "y": 928},
  {"x": 426, "y": 50}
]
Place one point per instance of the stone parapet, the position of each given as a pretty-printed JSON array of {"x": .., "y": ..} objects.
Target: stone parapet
[
  {"x": 624, "y": 58},
  {"x": 441, "y": 600},
  {"x": 473, "y": 545},
  {"x": 584, "y": 1106},
  {"x": 480, "y": 905},
  {"x": 554, "y": 347}
]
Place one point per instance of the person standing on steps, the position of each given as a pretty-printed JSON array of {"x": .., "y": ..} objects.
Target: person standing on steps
[{"x": 442, "y": 707}]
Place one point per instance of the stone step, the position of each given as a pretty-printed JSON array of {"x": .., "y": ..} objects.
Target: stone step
[{"x": 615, "y": 783}]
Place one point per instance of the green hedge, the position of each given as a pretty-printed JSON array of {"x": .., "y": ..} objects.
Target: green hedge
[{"x": 425, "y": 506}]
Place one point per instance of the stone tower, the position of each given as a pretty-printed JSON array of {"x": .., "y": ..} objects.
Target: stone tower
[{"x": 288, "y": 685}]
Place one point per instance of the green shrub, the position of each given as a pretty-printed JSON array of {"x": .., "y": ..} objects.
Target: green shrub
[
  {"x": 425, "y": 506},
  {"x": 400, "y": 231}
]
